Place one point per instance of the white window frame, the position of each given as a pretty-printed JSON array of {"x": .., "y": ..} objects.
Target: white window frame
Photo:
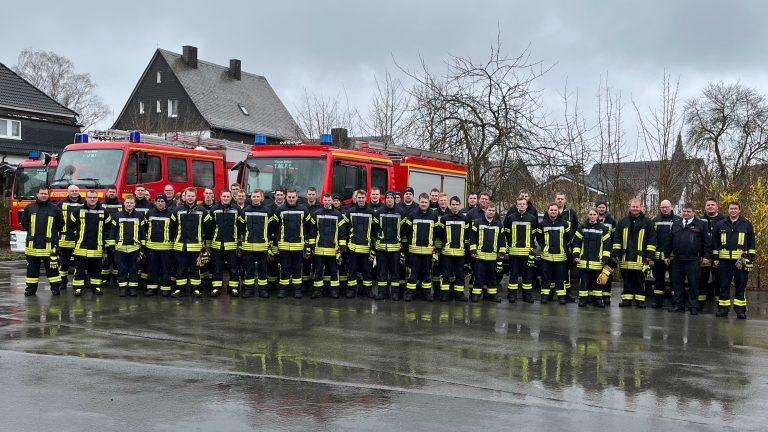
[
  {"x": 9, "y": 129},
  {"x": 141, "y": 107},
  {"x": 159, "y": 106},
  {"x": 159, "y": 79},
  {"x": 173, "y": 108}
]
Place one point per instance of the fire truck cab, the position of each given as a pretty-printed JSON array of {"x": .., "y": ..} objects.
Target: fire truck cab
[
  {"x": 34, "y": 172},
  {"x": 340, "y": 171}
]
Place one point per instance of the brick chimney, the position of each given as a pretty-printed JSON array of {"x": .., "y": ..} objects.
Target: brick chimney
[
  {"x": 234, "y": 68},
  {"x": 189, "y": 55}
]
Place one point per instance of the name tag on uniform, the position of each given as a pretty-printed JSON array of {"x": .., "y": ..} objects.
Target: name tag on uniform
[{"x": 556, "y": 228}]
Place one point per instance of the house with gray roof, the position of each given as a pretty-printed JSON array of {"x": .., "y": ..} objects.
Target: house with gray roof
[
  {"x": 180, "y": 93},
  {"x": 30, "y": 119}
]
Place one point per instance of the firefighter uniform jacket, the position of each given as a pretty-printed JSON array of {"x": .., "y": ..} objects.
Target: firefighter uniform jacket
[
  {"x": 93, "y": 226},
  {"x": 733, "y": 240},
  {"x": 389, "y": 223},
  {"x": 570, "y": 216},
  {"x": 160, "y": 230},
  {"x": 554, "y": 238},
  {"x": 521, "y": 230},
  {"x": 608, "y": 221},
  {"x": 129, "y": 231},
  {"x": 592, "y": 245},
  {"x": 113, "y": 206},
  {"x": 68, "y": 235},
  {"x": 193, "y": 223},
  {"x": 663, "y": 225},
  {"x": 292, "y": 226},
  {"x": 634, "y": 242},
  {"x": 454, "y": 233},
  {"x": 406, "y": 209},
  {"x": 42, "y": 221},
  {"x": 487, "y": 239},
  {"x": 259, "y": 225},
  {"x": 419, "y": 231},
  {"x": 692, "y": 242},
  {"x": 225, "y": 226},
  {"x": 361, "y": 228},
  {"x": 710, "y": 222},
  {"x": 327, "y": 231},
  {"x": 144, "y": 205}
]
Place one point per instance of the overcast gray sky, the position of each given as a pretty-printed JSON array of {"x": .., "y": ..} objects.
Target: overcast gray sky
[{"x": 336, "y": 47}]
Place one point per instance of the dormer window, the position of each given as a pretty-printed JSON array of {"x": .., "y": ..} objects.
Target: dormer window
[{"x": 159, "y": 77}]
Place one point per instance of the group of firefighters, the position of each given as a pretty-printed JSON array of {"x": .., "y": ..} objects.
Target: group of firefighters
[{"x": 423, "y": 246}]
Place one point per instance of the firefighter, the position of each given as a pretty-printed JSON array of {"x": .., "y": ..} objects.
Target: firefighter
[
  {"x": 570, "y": 216},
  {"x": 389, "y": 220},
  {"x": 327, "y": 235},
  {"x": 279, "y": 198},
  {"x": 489, "y": 248},
  {"x": 291, "y": 240},
  {"x": 224, "y": 237},
  {"x": 258, "y": 223},
  {"x": 42, "y": 220},
  {"x": 159, "y": 243},
  {"x": 690, "y": 246},
  {"x": 143, "y": 205},
  {"x": 663, "y": 225},
  {"x": 209, "y": 200},
  {"x": 709, "y": 282},
  {"x": 521, "y": 228},
  {"x": 634, "y": 246},
  {"x": 71, "y": 204},
  {"x": 192, "y": 223},
  {"x": 591, "y": 252},
  {"x": 434, "y": 196},
  {"x": 419, "y": 233},
  {"x": 437, "y": 272},
  {"x": 483, "y": 198},
  {"x": 376, "y": 204},
  {"x": 408, "y": 205},
  {"x": 129, "y": 236},
  {"x": 604, "y": 217},
  {"x": 733, "y": 241},
  {"x": 312, "y": 204},
  {"x": 454, "y": 234},
  {"x": 554, "y": 237},
  {"x": 93, "y": 226},
  {"x": 109, "y": 269},
  {"x": 471, "y": 203},
  {"x": 360, "y": 253},
  {"x": 170, "y": 196}
]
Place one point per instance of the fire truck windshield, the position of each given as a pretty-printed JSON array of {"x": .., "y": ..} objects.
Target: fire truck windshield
[
  {"x": 88, "y": 168},
  {"x": 269, "y": 173},
  {"x": 28, "y": 180}
]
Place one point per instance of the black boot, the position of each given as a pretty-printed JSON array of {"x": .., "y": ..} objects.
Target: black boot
[
  {"x": 428, "y": 295},
  {"x": 512, "y": 296},
  {"x": 132, "y": 292},
  {"x": 740, "y": 314},
  {"x": 582, "y": 302},
  {"x": 496, "y": 298},
  {"x": 607, "y": 300},
  {"x": 297, "y": 293},
  {"x": 30, "y": 291},
  {"x": 639, "y": 304},
  {"x": 658, "y": 302},
  {"x": 334, "y": 292},
  {"x": 395, "y": 293},
  {"x": 475, "y": 298},
  {"x": 316, "y": 293},
  {"x": 150, "y": 292},
  {"x": 722, "y": 312},
  {"x": 459, "y": 296},
  {"x": 544, "y": 299},
  {"x": 527, "y": 297},
  {"x": 625, "y": 303},
  {"x": 444, "y": 296},
  {"x": 55, "y": 289},
  {"x": 248, "y": 293},
  {"x": 383, "y": 293},
  {"x": 281, "y": 293},
  {"x": 263, "y": 293},
  {"x": 351, "y": 292},
  {"x": 598, "y": 303},
  {"x": 122, "y": 291},
  {"x": 409, "y": 295}
]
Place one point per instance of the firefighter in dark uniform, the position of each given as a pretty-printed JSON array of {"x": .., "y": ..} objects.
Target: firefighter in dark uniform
[
  {"x": 143, "y": 205},
  {"x": 663, "y": 225},
  {"x": 159, "y": 245},
  {"x": 327, "y": 235},
  {"x": 604, "y": 217},
  {"x": 454, "y": 233},
  {"x": 521, "y": 228},
  {"x": 733, "y": 243},
  {"x": 192, "y": 223},
  {"x": 709, "y": 282},
  {"x": 129, "y": 237},
  {"x": 224, "y": 238},
  {"x": 206, "y": 271},
  {"x": 691, "y": 245},
  {"x": 406, "y": 206},
  {"x": 554, "y": 237},
  {"x": 71, "y": 204},
  {"x": 93, "y": 226},
  {"x": 113, "y": 205},
  {"x": 360, "y": 217},
  {"x": 258, "y": 221},
  {"x": 592, "y": 246},
  {"x": 419, "y": 233},
  {"x": 570, "y": 216},
  {"x": 313, "y": 204},
  {"x": 42, "y": 220},
  {"x": 634, "y": 246},
  {"x": 291, "y": 239},
  {"x": 437, "y": 272},
  {"x": 488, "y": 247},
  {"x": 389, "y": 220}
]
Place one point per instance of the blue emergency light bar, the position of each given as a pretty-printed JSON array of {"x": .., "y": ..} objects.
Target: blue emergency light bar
[
  {"x": 134, "y": 136},
  {"x": 81, "y": 138},
  {"x": 260, "y": 140},
  {"x": 326, "y": 139},
  {"x": 34, "y": 154}
]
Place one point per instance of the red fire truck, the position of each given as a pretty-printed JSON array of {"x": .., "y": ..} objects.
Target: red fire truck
[
  {"x": 335, "y": 170},
  {"x": 29, "y": 175}
]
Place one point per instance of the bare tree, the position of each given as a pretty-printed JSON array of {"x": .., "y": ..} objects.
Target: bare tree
[
  {"x": 388, "y": 114},
  {"x": 612, "y": 148},
  {"x": 317, "y": 114},
  {"x": 729, "y": 122},
  {"x": 55, "y": 75},
  {"x": 486, "y": 111}
]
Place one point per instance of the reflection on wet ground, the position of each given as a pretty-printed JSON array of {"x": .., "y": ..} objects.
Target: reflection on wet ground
[{"x": 359, "y": 364}]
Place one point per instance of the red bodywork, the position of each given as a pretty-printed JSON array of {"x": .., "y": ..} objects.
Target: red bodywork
[
  {"x": 126, "y": 179},
  {"x": 17, "y": 202}
]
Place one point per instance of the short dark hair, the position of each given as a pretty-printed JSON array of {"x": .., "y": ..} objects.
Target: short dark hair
[
  {"x": 688, "y": 206},
  {"x": 290, "y": 190},
  {"x": 484, "y": 194},
  {"x": 257, "y": 190},
  {"x": 327, "y": 195},
  {"x": 111, "y": 187},
  {"x": 41, "y": 188},
  {"x": 455, "y": 199},
  {"x": 434, "y": 190},
  {"x": 710, "y": 199},
  {"x": 491, "y": 204},
  {"x": 311, "y": 188},
  {"x": 423, "y": 196},
  {"x": 91, "y": 191},
  {"x": 734, "y": 203},
  {"x": 280, "y": 189},
  {"x": 376, "y": 188},
  {"x": 140, "y": 185}
]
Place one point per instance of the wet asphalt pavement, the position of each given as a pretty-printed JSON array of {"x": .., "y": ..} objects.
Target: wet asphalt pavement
[{"x": 153, "y": 364}]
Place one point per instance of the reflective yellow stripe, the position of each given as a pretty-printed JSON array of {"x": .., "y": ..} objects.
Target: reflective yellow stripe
[
  {"x": 640, "y": 238},
  {"x": 32, "y": 225},
  {"x": 741, "y": 239},
  {"x": 625, "y": 237},
  {"x": 49, "y": 230}
]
